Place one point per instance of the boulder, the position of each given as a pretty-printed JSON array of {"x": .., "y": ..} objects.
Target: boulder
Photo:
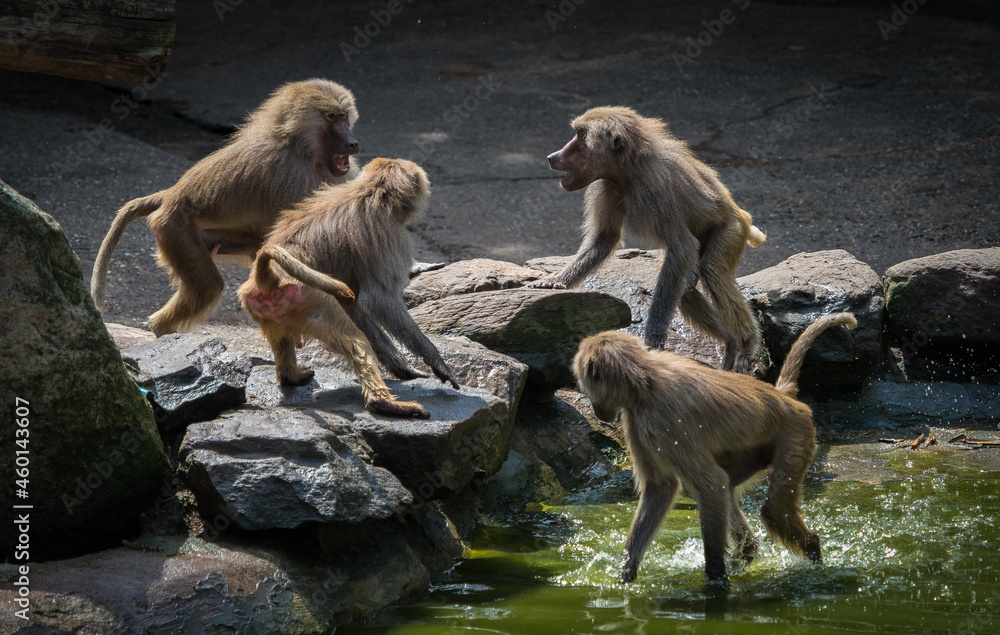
[
  {"x": 630, "y": 275},
  {"x": 555, "y": 447},
  {"x": 91, "y": 460},
  {"x": 882, "y": 404},
  {"x": 476, "y": 366},
  {"x": 282, "y": 468},
  {"x": 467, "y": 435},
  {"x": 467, "y": 276},
  {"x": 794, "y": 293},
  {"x": 950, "y": 298},
  {"x": 194, "y": 378},
  {"x": 128, "y": 336},
  {"x": 235, "y": 585},
  {"x": 541, "y": 328}
]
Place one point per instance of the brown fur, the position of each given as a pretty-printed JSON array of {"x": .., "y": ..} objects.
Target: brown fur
[
  {"x": 642, "y": 179},
  {"x": 227, "y": 203},
  {"x": 347, "y": 239},
  {"x": 710, "y": 430}
]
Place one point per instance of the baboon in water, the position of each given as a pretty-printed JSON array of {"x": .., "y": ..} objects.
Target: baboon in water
[
  {"x": 642, "y": 179},
  {"x": 297, "y": 140},
  {"x": 709, "y": 430},
  {"x": 349, "y": 241}
]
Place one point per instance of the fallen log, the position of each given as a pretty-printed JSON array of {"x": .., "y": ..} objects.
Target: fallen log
[{"x": 99, "y": 40}]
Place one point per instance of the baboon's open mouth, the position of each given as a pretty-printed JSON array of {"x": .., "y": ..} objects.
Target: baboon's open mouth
[{"x": 342, "y": 163}]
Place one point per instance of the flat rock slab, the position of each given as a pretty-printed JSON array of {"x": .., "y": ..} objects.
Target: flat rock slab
[
  {"x": 194, "y": 377},
  {"x": 467, "y": 276},
  {"x": 794, "y": 293},
  {"x": 630, "y": 275},
  {"x": 541, "y": 328},
  {"x": 952, "y": 297},
  {"x": 282, "y": 468},
  {"x": 467, "y": 435}
]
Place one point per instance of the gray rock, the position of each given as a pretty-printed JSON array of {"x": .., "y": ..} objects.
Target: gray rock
[
  {"x": 194, "y": 378},
  {"x": 555, "y": 447},
  {"x": 283, "y": 468},
  {"x": 467, "y": 435},
  {"x": 476, "y": 366},
  {"x": 953, "y": 298},
  {"x": 93, "y": 460},
  {"x": 892, "y": 403},
  {"x": 630, "y": 275},
  {"x": 233, "y": 585},
  {"x": 128, "y": 336},
  {"x": 467, "y": 276},
  {"x": 794, "y": 293},
  {"x": 541, "y": 328}
]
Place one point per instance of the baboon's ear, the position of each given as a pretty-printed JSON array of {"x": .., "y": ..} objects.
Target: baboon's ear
[{"x": 617, "y": 143}]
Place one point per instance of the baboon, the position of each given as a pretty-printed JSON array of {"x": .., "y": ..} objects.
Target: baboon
[
  {"x": 297, "y": 140},
  {"x": 710, "y": 430},
  {"x": 640, "y": 178},
  {"x": 346, "y": 240}
]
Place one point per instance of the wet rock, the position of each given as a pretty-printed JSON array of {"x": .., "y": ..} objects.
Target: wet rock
[
  {"x": 892, "y": 403},
  {"x": 794, "y": 293},
  {"x": 282, "y": 468},
  {"x": 467, "y": 276},
  {"x": 93, "y": 460},
  {"x": 630, "y": 275},
  {"x": 541, "y": 328},
  {"x": 233, "y": 585},
  {"x": 194, "y": 378},
  {"x": 555, "y": 448},
  {"x": 952, "y": 297}
]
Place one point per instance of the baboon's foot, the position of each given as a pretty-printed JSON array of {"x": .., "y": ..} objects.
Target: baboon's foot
[
  {"x": 301, "y": 379},
  {"x": 394, "y": 408}
]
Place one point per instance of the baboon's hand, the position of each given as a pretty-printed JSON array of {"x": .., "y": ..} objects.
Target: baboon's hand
[
  {"x": 546, "y": 283},
  {"x": 407, "y": 373},
  {"x": 655, "y": 342},
  {"x": 443, "y": 373}
]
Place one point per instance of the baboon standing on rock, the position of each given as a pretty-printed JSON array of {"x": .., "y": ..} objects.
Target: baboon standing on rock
[
  {"x": 709, "y": 430},
  {"x": 347, "y": 241},
  {"x": 640, "y": 178},
  {"x": 297, "y": 140}
]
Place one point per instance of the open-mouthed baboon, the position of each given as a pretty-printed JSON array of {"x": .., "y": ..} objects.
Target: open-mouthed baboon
[
  {"x": 225, "y": 205},
  {"x": 346, "y": 240},
  {"x": 642, "y": 179},
  {"x": 709, "y": 430}
]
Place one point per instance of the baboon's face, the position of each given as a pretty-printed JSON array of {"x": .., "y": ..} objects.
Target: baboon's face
[
  {"x": 337, "y": 142},
  {"x": 578, "y": 162}
]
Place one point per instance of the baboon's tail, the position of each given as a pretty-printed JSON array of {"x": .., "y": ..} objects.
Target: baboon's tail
[
  {"x": 298, "y": 270},
  {"x": 756, "y": 237},
  {"x": 789, "y": 377},
  {"x": 131, "y": 211}
]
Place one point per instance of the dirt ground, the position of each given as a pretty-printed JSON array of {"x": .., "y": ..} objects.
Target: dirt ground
[{"x": 833, "y": 130}]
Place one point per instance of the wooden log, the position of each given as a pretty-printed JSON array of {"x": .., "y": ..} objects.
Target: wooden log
[{"x": 94, "y": 40}]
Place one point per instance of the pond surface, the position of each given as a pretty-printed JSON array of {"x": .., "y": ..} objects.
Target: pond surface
[{"x": 917, "y": 554}]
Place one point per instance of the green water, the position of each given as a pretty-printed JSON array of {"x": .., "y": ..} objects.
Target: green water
[{"x": 917, "y": 556}]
